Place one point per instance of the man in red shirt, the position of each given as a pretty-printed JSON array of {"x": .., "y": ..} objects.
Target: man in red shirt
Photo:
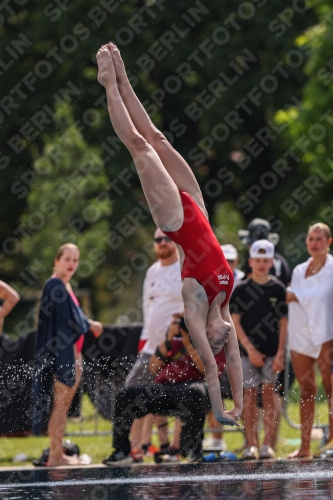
[{"x": 179, "y": 390}]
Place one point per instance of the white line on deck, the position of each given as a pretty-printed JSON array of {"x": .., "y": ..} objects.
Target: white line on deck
[{"x": 174, "y": 478}]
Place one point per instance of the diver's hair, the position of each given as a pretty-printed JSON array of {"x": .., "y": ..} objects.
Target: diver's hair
[
  {"x": 67, "y": 246},
  {"x": 321, "y": 227}
]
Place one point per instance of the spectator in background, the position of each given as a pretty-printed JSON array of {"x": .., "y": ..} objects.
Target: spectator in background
[
  {"x": 310, "y": 299},
  {"x": 161, "y": 298},
  {"x": 9, "y": 298},
  {"x": 231, "y": 255},
  {"x": 259, "y": 311},
  {"x": 178, "y": 389},
  {"x": 58, "y": 359},
  {"x": 260, "y": 229}
]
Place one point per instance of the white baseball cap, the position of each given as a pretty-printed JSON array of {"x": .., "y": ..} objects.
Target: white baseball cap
[
  {"x": 261, "y": 249},
  {"x": 229, "y": 251}
]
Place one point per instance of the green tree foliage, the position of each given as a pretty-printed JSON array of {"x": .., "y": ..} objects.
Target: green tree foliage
[
  {"x": 67, "y": 202},
  {"x": 227, "y": 222},
  {"x": 212, "y": 76},
  {"x": 310, "y": 127}
]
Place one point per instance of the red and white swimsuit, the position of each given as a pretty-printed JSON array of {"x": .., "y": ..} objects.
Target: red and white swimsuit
[
  {"x": 204, "y": 258},
  {"x": 79, "y": 343}
]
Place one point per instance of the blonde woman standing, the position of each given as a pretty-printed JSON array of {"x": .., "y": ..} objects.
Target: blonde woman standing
[
  {"x": 310, "y": 299},
  {"x": 58, "y": 359}
]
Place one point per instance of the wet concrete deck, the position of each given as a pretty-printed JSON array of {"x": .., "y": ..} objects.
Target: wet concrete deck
[{"x": 274, "y": 480}]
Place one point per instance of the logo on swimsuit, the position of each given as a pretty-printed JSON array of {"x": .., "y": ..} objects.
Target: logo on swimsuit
[{"x": 223, "y": 279}]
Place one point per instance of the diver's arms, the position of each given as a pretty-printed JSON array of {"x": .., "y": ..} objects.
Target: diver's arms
[
  {"x": 234, "y": 365},
  {"x": 196, "y": 309}
]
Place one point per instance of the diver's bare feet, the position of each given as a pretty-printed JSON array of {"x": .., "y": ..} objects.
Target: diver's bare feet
[
  {"x": 119, "y": 65},
  {"x": 106, "y": 70},
  {"x": 63, "y": 460},
  {"x": 299, "y": 454}
]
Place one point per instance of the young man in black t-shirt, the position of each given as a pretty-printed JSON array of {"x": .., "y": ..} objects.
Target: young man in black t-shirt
[
  {"x": 259, "y": 312},
  {"x": 260, "y": 229}
]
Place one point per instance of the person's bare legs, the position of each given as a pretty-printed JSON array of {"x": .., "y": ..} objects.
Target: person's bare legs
[
  {"x": 160, "y": 190},
  {"x": 177, "y": 430},
  {"x": 173, "y": 162},
  {"x": 136, "y": 433},
  {"x": 278, "y": 414},
  {"x": 250, "y": 416},
  {"x": 304, "y": 368},
  {"x": 142, "y": 428},
  {"x": 325, "y": 363},
  {"x": 215, "y": 425},
  {"x": 331, "y": 403},
  {"x": 63, "y": 397},
  {"x": 162, "y": 429},
  {"x": 269, "y": 412}
]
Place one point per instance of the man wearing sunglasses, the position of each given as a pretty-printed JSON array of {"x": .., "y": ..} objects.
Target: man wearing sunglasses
[{"x": 161, "y": 299}]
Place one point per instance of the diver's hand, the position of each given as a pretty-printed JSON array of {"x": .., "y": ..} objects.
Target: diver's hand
[
  {"x": 235, "y": 413},
  {"x": 229, "y": 417}
]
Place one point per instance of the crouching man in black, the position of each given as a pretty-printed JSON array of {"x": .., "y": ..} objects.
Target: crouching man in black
[{"x": 178, "y": 390}]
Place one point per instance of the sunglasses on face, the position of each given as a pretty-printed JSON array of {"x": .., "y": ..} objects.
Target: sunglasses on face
[{"x": 161, "y": 238}]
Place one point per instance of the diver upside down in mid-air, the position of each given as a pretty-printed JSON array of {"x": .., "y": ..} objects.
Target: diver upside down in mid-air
[{"x": 181, "y": 214}]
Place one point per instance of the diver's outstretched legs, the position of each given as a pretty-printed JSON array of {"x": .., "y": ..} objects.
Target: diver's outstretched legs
[
  {"x": 159, "y": 188},
  {"x": 173, "y": 162}
]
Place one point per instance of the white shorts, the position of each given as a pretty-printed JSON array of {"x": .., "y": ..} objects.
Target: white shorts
[{"x": 303, "y": 344}]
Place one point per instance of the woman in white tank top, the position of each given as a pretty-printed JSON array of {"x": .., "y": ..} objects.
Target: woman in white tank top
[{"x": 310, "y": 299}]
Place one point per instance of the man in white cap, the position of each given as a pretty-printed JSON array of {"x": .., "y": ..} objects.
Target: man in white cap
[
  {"x": 231, "y": 254},
  {"x": 259, "y": 311}
]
